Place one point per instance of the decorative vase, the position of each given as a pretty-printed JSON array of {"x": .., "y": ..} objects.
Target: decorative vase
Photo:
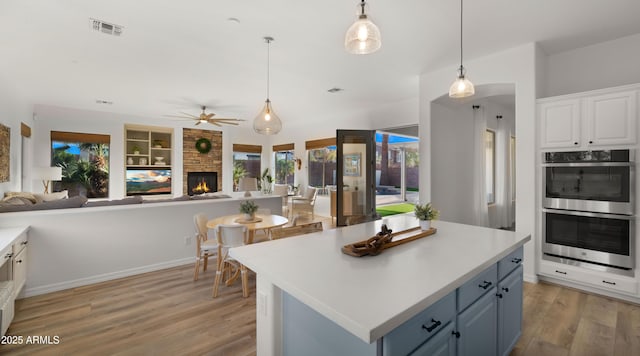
[
  {"x": 129, "y": 160},
  {"x": 425, "y": 225},
  {"x": 266, "y": 187},
  {"x": 249, "y": 217}
]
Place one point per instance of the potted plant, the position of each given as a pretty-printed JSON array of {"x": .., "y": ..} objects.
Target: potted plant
[
  {"x": 136, "y": 149},
  {"x": 157, "y": 143},
  {"x": 248, "y": 208},
  {"x": 425, "y": 213}
]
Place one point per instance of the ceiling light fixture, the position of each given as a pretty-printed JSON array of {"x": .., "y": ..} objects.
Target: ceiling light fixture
[
  {"x": 363, "y": 37},
  {"x": 462, "y": 87},
  {"x": 267, "y": 122}
]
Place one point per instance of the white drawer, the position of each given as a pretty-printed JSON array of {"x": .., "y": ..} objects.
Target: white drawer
[
  {"x": 602, "y": 280},
  {"x": 20, "y": 243}
]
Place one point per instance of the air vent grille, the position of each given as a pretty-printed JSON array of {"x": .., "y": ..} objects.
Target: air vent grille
[{"x": 105, "y": 27}]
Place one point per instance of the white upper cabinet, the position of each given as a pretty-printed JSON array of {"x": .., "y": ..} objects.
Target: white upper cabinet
[
  {"x": 596, "y": 119},
  {"x": 560, "y": 123},
  {"x": 611, "y": 118}
]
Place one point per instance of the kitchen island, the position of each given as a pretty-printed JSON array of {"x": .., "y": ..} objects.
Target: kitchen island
[{"x": 314, "y": 300}]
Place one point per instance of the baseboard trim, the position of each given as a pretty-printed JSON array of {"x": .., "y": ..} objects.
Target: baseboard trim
[
  {"x": 531, "y": 278},
  {"x": 55, "y": 287}
]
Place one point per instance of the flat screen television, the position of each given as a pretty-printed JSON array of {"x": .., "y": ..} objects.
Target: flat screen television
[{"x": 143, "y": 181}]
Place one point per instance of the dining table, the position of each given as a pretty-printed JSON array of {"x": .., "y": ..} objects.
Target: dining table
[{"x": 261, "y": 222}]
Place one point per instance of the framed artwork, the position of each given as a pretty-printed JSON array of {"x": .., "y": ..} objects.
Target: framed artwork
[
  {"x": 352, "y": 164},
  {"x": 5, "y": 145}
]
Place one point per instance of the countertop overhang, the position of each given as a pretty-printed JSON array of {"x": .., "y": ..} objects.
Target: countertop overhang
[{"x": 372, "y": 295}]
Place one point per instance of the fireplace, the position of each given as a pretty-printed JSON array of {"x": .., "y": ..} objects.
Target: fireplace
[{"x": 202, "y": 182}]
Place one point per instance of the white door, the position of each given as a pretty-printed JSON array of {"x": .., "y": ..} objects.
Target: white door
[
  {"x": 559, "y": 123},
  {"x": 611, "y": 119}
]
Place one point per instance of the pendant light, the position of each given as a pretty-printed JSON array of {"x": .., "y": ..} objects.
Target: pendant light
[
  {"x": 267, "y": 122},
  {"x": 363, "y": 37},
  {"x": 462, "y": 87}
]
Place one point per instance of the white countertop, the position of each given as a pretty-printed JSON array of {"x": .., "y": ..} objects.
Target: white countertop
[
  {"x": 7, "y": 236},
  {"x": 372, "y": 295}
]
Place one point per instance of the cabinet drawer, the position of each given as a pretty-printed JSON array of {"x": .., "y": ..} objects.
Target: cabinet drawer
[
  {"x": 475, "y": 288},
  {"x": 509, "y": 263},
  {"x": 19, "y": 243},
  {"x": 421, "y": 327},
  {"x": 607, "y": 281}
]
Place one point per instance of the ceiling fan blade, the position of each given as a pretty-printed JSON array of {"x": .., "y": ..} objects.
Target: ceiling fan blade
[
  {"x": 214, "y": 123},
  {"x": 222, "y": 122},
  {"x": 189, "y": 115},
  {"x": 228, "y": 119},
  {"x": 198, "y": 122},
  {"x": 208, "y": 116}
]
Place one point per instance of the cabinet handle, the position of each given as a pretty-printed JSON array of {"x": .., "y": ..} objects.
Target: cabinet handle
[
  {"x": 485, "y": 285},
  {"x": 590, "y": 142},
  {"x": 499, "y": 295},
  {"x": 575, "y": 143},
  {"x": 19, "y": 261},
  {"x": 505, "y": 289},
  {"x": 607, "y": 282},
  {"x": 435, "y": 324},
  {"x": 8, "y": 255},
  {"x": 561, "y": 272},
  {"x": 516, "y": 260},
  {"x": 456, "y": 333},
  {"x": 24, "y": 242}
]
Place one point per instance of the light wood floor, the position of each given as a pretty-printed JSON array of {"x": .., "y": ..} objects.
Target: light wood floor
[{"x": 167, "y": 313}]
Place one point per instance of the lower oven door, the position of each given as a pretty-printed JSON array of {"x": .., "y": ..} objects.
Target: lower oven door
[{"x": 606, "y": 239}]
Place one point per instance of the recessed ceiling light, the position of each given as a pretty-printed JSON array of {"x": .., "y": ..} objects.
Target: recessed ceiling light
[
  {"x": 105, "y": 102},
  {"x": 335, "y": 90}
]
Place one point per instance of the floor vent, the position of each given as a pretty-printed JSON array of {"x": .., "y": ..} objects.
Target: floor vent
[{"x": 105, "y": 27}]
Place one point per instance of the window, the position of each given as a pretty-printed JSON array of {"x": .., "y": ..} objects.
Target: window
[
  {"x": 284, "y": 163},
  {"x": 490, "y": 157},
  {"x": 246, "y": 162},
  {"x": 322, "y": 166},
  {"x": 512, "y": 166},
  {"x": 84, "y": 159}
]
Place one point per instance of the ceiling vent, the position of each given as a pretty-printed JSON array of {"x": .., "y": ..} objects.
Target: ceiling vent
[
  {"x": 335, "y": 90},
  {"x": 105, "y": 102},
  {"x": 105, "y": 27}
]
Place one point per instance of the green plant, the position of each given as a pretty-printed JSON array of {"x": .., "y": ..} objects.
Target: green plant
[
  {"x": 248, "y": 207},
  {"x": 267, "y": 176},
  {"x": 426, "y": 212},
  {"x": 135, "y": 148}
]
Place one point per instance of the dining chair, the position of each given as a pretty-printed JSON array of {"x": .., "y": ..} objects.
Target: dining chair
[
  {"x": 205, "y": 247},
  {"x": 281, "y": 232},
  {"x": 305, "y": 203},
  {"x": 262, "y": 234},
  {"x": 230, "y": 236},
  {"x": 283, "y": 191},
  {"x": 248, "y": 184}
]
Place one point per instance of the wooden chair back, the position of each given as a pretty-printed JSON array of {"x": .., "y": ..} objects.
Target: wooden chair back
[
  {"x": 281, "y": 232},
  {"x": 200, "y": 221}
]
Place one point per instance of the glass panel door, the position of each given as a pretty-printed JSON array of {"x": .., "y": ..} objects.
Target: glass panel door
[{"x": 355, "y": 175}]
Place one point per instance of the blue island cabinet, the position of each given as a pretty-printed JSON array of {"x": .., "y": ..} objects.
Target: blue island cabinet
[{"x": 481, "y": 317}]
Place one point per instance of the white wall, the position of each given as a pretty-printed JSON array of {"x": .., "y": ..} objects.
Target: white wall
[
  {"x": 14, "y": 109},
  {"x": 517, "y": 66},
  {"x": 607, "y": 64},
  {"x": 53, "y": 118},
  {"x": 452, "y": 162}
]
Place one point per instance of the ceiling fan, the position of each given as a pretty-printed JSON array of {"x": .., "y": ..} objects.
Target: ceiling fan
[{"x": 207, "y": 118}]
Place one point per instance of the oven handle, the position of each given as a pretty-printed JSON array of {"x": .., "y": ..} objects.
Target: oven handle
[
  {"x": 589, "y": 214},
  {"x": 590, "y": 164}
]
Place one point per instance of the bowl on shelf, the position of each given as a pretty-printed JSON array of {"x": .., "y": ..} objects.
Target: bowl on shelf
[{"x": 159, "y": 160}]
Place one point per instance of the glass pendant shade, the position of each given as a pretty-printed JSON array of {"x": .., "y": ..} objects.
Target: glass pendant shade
[
  {"x": 363, "y": 37},
  {"x": 267, "y": 122},
  {"x": 462, "y": 87}
]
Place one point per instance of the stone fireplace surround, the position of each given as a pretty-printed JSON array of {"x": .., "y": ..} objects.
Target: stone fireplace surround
[{"x": 194, "y": 161}]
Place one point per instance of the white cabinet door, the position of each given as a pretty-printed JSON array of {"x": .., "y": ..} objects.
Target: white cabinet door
[
  {"x": 560, "y": 123},
  {"x": 19, "y": 271},
  {"x": 611, "y": 119}
]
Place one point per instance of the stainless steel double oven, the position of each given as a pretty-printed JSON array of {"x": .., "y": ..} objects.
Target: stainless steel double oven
[{"x": 589, "y": 207}]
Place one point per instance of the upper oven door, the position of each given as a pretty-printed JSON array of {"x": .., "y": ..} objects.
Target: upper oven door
[{"x": 605, "y": 187}]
